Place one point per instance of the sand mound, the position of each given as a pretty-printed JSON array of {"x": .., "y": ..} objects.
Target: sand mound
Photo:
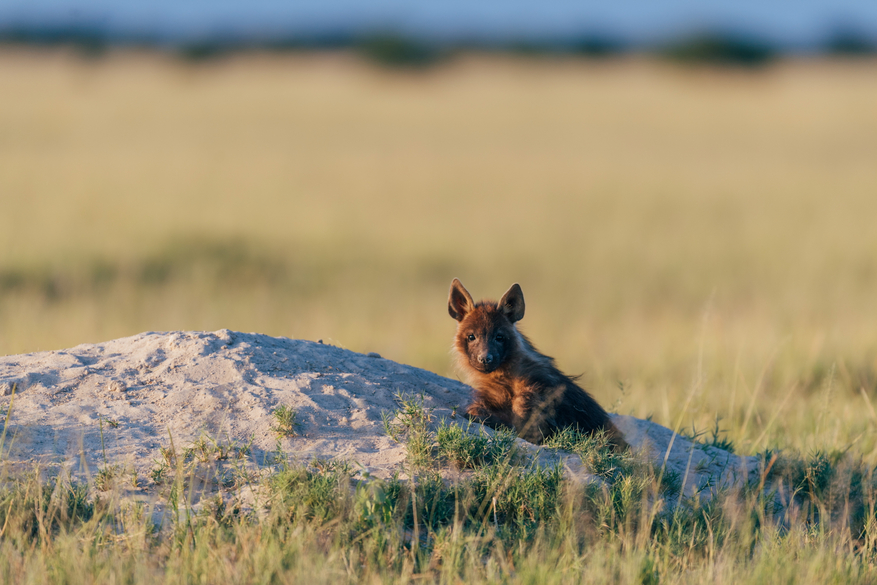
[{"x": 119, "y": 402}]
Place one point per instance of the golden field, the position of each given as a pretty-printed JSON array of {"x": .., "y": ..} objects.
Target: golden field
[{"x": 702, "y": 238}]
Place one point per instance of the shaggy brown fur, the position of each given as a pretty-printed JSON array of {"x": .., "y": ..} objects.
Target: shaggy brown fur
[{"x": 515, "y": 385}]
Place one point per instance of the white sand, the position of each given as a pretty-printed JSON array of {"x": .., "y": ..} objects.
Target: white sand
[{"x": 152, "y": 387}]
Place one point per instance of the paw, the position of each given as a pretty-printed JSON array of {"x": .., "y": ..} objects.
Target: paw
[
  {"x": 476, "y": 411},
  {"x": 477, "y": 416}
]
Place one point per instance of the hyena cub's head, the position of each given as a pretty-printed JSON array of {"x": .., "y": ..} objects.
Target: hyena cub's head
[{"x": 486, "y": 335}]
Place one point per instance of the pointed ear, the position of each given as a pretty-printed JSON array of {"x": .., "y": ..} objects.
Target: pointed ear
[
  {"x": 459, "y": 301},
  {"x": 512, "y": 303}
]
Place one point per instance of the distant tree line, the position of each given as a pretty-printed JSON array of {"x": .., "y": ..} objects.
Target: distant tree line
[{"x": 399, "y": 50}]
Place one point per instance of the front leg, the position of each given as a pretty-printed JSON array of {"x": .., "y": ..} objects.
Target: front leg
[
  {"x": 531, "y": 420},
  {"x": 495, "y": 419}
]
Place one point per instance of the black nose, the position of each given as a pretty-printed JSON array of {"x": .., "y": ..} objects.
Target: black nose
[{"x": 486, "y": 359}]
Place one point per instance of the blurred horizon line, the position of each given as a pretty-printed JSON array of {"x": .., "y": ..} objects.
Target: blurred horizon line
[
  {"x": 745, "y": 31},
  {"x": 391, "y": 48}
]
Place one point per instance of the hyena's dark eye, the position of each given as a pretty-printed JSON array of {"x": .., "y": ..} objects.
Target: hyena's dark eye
[
  {"x": 500, "y": 337},
  {"x": 471, "y": 337}
]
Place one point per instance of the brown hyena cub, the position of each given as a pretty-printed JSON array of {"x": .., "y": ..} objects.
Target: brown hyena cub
[{"x": 515, "y": 385}]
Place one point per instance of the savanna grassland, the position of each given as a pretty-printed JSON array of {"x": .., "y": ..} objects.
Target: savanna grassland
[{"x": 698, "y": 242}]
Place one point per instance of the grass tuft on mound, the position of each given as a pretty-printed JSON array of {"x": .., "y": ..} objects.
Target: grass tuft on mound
[{"x": 502, "y": 518}]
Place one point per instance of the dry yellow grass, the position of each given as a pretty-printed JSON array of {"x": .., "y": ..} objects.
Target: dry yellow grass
[{"x": 687, "y": 232}]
